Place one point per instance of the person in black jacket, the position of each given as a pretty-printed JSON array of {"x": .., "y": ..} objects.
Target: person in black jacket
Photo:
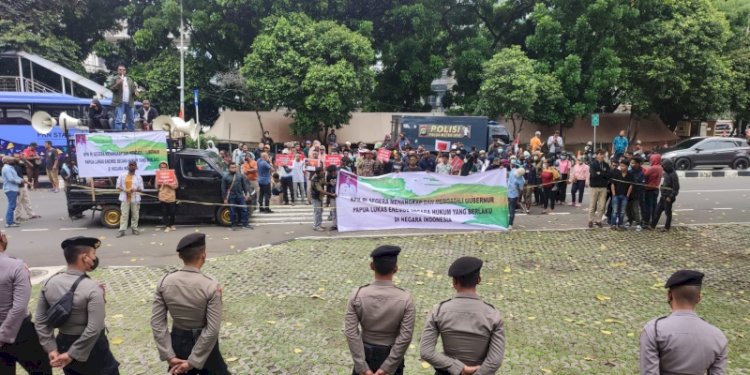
[
  {"x": 622, "y": 188},
  {"x": 635, "y": 201},
  {"x": 97, "y": 116},
  {"x": 670, "y": 187},
  {"x": 598, "y": 181}
]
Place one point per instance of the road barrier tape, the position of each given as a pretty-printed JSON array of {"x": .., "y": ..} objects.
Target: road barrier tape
[{"x": 104, "y": 191}]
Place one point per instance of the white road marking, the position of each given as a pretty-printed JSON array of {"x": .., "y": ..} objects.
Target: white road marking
[
  {"x": 80, "y": 228},
  {"x": 35, "y": 230},
  {"x": 723, "y": 208},
  {"x": 45, "y": 273},
  {"x": 684, "y": 209},
  {"x": 559, "y": 213},
  {"x": 713, "y": 191}
]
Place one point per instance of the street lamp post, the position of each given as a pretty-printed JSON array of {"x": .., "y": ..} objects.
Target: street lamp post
[{"x": 182, "y": 64}]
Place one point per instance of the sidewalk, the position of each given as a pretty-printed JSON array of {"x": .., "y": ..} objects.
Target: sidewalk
[{"x": 573, "y": 302}]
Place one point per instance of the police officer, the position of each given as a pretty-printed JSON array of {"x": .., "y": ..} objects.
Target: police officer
[
  {"x": 471, "y": 329},
  {"x": 18, "y": 340},
  {"x": 682, "y": 342},
  {"x": 194, "y": 301},
  {"x": 385, "y": 314},
  {"x": 81, "y": 346}
]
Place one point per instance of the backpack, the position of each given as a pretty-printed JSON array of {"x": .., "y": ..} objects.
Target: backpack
[{"x": 59, "y": 313}]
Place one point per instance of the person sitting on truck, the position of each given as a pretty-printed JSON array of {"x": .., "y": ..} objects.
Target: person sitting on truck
[{"x": 535, "y": 144}]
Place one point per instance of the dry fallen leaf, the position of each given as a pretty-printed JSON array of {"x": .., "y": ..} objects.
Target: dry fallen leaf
[
  {"x": 604, "y": 331},
  {"x": 507, "y": 270},
  {"x": 116, "y": 341},
  {"x": 602, "y": 297},
  {"x": 297, "y": 350},
  {"x": 425, "y": 365},
  {"x": 531, "y": 318},
  {"x": 231, "y": 359},
  {"x": 271, "y": 322},
  {"x": 117, "y": 316}
]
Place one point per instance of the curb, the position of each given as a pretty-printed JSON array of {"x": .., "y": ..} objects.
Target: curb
[{"x": 709, "y": 174}]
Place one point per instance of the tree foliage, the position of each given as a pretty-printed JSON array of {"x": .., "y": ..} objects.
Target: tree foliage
[{"x": 319, "y": 71}]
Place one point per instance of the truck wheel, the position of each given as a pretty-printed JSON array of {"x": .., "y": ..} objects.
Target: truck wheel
[
  {"x": 740, "y": 164},
  {"x": 223, "y": 217},
  {"x": 682, "y": 164},
  {"x": 110, "y": 217}
]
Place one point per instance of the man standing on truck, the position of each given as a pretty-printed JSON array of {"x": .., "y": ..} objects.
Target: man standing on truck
[
  {"x": 130, "y": 185},
  {"x": 124, "y": 91}
]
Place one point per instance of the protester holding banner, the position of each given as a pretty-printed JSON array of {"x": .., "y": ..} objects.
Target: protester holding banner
[
  {"x": 443, "y": 167},
  {"x": 366, "y": 165},
  {"x": 130, "y": 185},
  {"x": 412, "y": 166},
  {"x": 331, "y": 182},
  {"x": 319, "y": 190},
  {"x": 166, "y": 183}
]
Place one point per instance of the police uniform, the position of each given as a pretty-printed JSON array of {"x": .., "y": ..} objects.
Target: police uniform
[
  {"x": 386, "y": 316},
  {"x": 682, "y": 343},
  {"x": 471, "y": 330},
  {"x": 19, "y": 342},
  {"x": 194, "y": 301},
  {"x": 82, "y": 336}
]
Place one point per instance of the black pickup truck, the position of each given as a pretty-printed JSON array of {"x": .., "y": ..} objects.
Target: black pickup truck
[{"x": 199, "y": 175}]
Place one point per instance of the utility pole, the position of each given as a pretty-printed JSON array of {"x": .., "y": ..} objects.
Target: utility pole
[{"x": 182, "y": 64}]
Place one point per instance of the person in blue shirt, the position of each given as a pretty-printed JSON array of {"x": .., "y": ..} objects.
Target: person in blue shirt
[
  {"x": 619, "y": 146},
  {"x": 515, "y": 190},
  {"x": 11, "y": 186},
  {"x": 264, "y": 182}
]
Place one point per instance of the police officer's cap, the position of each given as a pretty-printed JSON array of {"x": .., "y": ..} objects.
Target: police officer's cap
[
  {"x": 385, "y": 251},
  {"x": 684, "y": 277},
  {"x": 464, "y": 266},
  {"x": 80, "y": 240},
  {"x": 190, "y": 241}
]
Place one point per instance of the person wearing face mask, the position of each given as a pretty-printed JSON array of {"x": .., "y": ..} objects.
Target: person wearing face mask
[
  {"x": 80, "y": 346},
  {"x": 622, "y": 189},
  {"x": 19, "y": 342},
  {"x": 130, "y": 185},
  {"x": 598, "y": 181},
  {"x": 548, "y": 176},
  {"x": 194, "y": 301},
  {"x": 682, "y": 342}
]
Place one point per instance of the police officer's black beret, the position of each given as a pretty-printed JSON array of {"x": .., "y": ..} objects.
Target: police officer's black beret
[
  {"x": 464, "y": 266},
  {"x": 385, "y": 251},
  {"x": 684, "y": 277},
  {"x": 80, "y": 240},
  {"x": 191, "y": 240}
]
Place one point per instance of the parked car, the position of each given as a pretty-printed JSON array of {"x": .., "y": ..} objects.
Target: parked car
[{"x": 709, "y": 151}]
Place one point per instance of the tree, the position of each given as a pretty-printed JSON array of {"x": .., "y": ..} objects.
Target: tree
[
  {"x": 509, "y": 87},
  {"x": 319, "y": 71},
  {"x": 674, "y": 60},
  {"x": 577, "y": 42}
]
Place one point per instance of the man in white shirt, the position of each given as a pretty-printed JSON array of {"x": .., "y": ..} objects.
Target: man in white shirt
[
  {"x": 130, "y": 185},
  {"x": 555, "y": 143}
]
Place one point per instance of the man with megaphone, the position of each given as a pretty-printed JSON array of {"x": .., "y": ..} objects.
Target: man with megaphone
[{"x": 124, "y": 91}]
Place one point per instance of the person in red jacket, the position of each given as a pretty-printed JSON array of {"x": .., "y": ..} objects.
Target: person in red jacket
[{"x": 653, "y": 177}]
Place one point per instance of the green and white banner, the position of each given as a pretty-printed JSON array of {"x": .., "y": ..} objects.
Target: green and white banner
[
  {"x": 108, "y": 154},
  {"x": 423, "y": 201}
]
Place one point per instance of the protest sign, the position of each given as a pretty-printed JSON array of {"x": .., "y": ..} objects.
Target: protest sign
[
  {"x": 457, "y": 163},
  {"x": 108, "y": 154},
  {"x": 442, "y": 146},
  {"x": 422, "y": 200},
  {"x": 333, "y": 160},
  {"x": 384, "y": 155},
  {"x": 282, "y": 160},
  {"x": 165, "y": 177}
]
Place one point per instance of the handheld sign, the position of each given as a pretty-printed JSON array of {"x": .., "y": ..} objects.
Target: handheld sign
[
  {"x": 165, "y": 177},
  {"x": 384, "y": 154},
  {"x": 442, "y": 146},
  {"x": 282, "y": 160},
  {"x": 333, "y": 160},
  {"x": 457, "y": 163}
]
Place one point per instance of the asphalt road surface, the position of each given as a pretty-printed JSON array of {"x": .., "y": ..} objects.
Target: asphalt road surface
[{"x": 701, "y": 201}]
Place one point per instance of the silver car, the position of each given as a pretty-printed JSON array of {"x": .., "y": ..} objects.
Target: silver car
[{"x": 709, "y": 151}]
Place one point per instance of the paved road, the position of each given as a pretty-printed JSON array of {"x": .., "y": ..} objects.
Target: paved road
[{"x": 701, "y": 201}]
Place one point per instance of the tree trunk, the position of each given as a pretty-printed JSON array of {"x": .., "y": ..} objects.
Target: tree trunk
[
  {"x": 260, "y": 122},
  {"x": 513, "y": 121},
  {"x": 635, "y": 132}
]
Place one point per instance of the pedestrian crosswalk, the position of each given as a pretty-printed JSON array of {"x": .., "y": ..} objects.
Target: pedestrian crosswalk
[{"x": 300, "y": 213}]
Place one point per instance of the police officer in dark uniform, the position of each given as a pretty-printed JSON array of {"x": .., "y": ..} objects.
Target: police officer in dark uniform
[
  {"x": 18, "y": 340},
  {"x": 81, "y": 346},
  {"x": 194, "y": 301},
  {"x": 471, "y": 329},
  {"x": 682, "y": 342},
  {"x": 385, "y": 314}
]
